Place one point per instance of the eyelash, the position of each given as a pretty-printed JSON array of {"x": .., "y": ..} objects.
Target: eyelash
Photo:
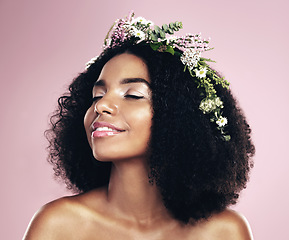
[
  {"x": 96, "y": 98},
  {"x": 133, "y": 96},
  {"x": 126, "y": 96}
]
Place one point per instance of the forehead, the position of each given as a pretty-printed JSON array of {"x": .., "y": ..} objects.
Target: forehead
[{"x": 124, "y": 66}]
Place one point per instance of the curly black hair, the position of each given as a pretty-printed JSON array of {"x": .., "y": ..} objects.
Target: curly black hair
[{"x": 196, "y": 171}]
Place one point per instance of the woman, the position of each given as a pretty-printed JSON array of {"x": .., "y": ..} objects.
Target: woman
[{"x": 152, "y": 139}]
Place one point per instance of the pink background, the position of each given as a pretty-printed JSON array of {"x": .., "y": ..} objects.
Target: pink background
[{"x": 44, "y": 44}]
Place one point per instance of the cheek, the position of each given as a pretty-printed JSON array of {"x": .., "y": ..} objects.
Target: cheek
[
  {"x": 141, "y": 119},
  {"x": 87, "y": 121}
]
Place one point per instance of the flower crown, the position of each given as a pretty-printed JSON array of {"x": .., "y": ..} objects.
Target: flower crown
[{"x": 188, "y": 48}]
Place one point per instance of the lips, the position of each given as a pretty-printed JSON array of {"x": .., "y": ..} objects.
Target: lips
[{"x": 104, "y": 129}]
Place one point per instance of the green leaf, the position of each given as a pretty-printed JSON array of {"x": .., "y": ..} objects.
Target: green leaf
[
  {"x": 179, "y": 24},
  {"x": 172, "y": 25},
  {"x": 162, "y": 34},
  {"x": 177, "y": 53},
  {"x": 154, "y": 37},
  {"x": 165, "y": 27},
  {"x": 155, "y": 46},
  {"x": 170, "y": 31},
  {"x": 170, "y": 50},
  {"x": 207, "y": 60},
  {"x": 157, "y": 29},
  {"x": 202, "y": 63},
  {"x": 149, "y": 31}
]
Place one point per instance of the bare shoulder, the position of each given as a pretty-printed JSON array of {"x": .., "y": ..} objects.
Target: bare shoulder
[
  {"x": 61, "y": 218},
  {"x": 48, "y": 219},
  {"x": 229, "y": 224}
]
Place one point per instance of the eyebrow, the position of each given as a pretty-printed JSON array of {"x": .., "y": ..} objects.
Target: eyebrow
[{"x": 124, "y": 81}]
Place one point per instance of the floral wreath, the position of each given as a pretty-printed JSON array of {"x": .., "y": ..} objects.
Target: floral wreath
[{"x": 188, "y": 48}]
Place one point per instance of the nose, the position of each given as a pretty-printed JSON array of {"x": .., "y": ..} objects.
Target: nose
[{"x": 106, "y": 105}]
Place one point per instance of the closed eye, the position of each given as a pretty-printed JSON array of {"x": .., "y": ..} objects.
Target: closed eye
[
  {"x": 95, "y": 99},
  {"x": 133, "y": 96}
]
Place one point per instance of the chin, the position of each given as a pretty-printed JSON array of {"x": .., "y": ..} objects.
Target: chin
[{"x": 118, "y": 156}]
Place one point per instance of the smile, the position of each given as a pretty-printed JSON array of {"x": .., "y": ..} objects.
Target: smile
[{"x": 102, "y": 129}]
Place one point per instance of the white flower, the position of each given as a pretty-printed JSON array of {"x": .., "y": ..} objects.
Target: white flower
[
  {"x": 218, "y": 102},
  {"x": 137, "y": 33},
  {"x": 140, "y": 34},
  {"x": 171, "y": 39},
  {"x": 190, "y": 57},
  {"x": 150, "y": 23},
  {"x": 222, "y": 121},
  {"x": 207, "y": 105},
  {"x": 141, "y": 20},
  {"x": 201, "y": 73}
]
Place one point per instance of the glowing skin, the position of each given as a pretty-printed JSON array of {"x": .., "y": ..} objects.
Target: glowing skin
[
  {"x": 118, "y": 129},
  {"x": 119, "y": 120}
]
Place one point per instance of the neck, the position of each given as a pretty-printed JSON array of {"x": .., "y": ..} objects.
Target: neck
[{"x": 131, "y": 194}]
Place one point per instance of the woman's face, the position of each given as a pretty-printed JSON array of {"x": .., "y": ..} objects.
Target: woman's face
[{"x": 118, "y": 123}]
